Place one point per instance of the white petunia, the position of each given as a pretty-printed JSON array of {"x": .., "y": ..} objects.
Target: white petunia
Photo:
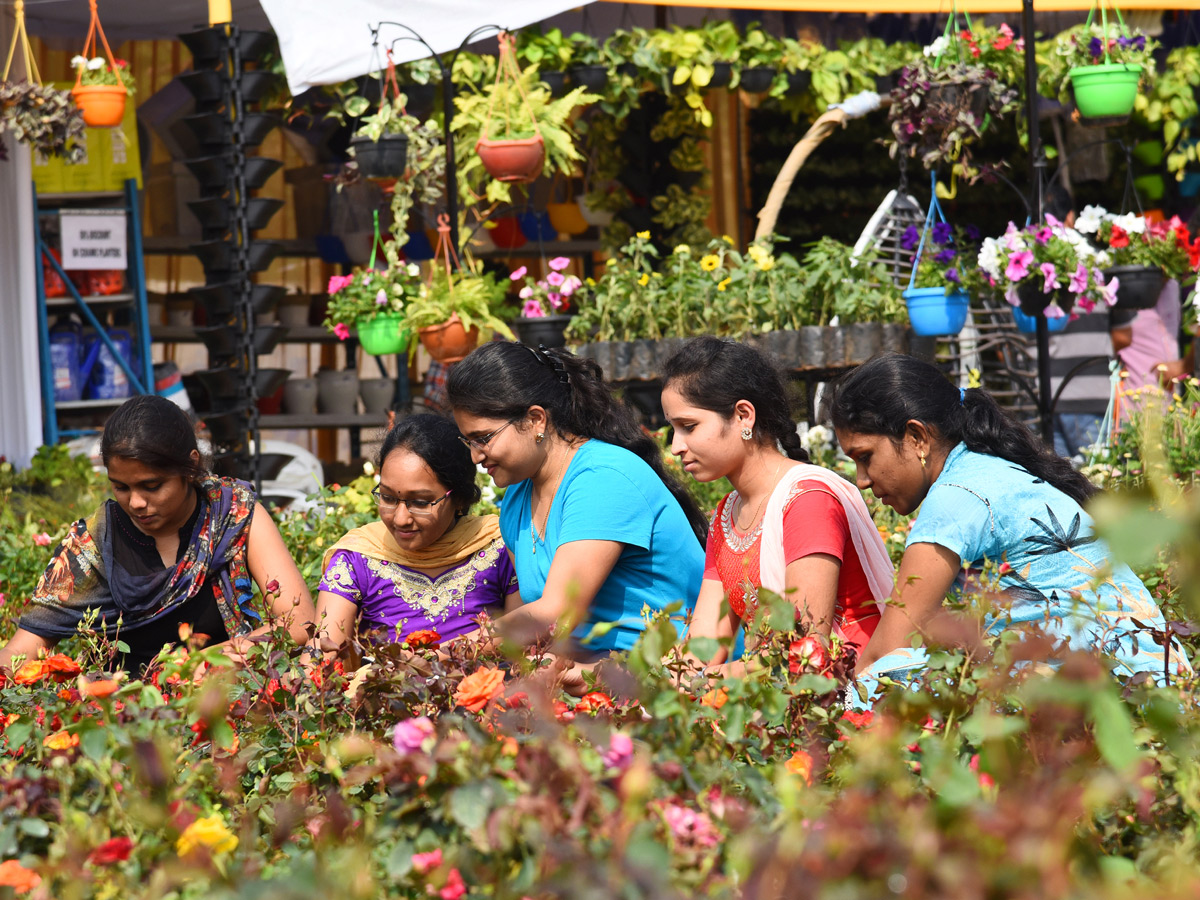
[
  {"x": 938, "y": 47},
  {"x": 413, "y": 270},
  {"x": 989, "y": 257},
  {"x": 1089, "y": 221},
  {"x": 1102, "y": 259},
  {"x": 1131, "y": 223},
  {"x": 97, "y": 63},
  {"x": 77, "y": 61},
  {"x": 817, "y": 438}
]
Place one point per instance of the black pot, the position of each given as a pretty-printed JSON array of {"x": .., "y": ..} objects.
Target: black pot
[
  {"x": 268, "y": 381},
  {"x": 220, "y": 300},
  {"x": 225, "y": 427},
  {"x": 217, "y": 256},
  {"x": 207, "y": 45},
  {"x": 1034, "y": 300},
  {"x": 547, "y": 330},
  {"x": 722, "y": 75},
  {"x": 622, "y": 356},
  {"x": 1138, "y": 287},
  {"x": 594, "y": 78},
  {"x": 863, "y": 340},
  {"x": 222, "y": 341},
  {"x": 555, "y": 81},
  {"x": 798, "y": 82},
  {"x": 215, "y": 130},
  {"x": 214, "y": 172},
  {"x": 205, "y": 85},
  {"x": 384, "y": 158},
  {"x": 217, "y": 212},
  {"x": 601, "y": 353},
  {"x": 757, "y": 79},
  {"x": 895, "y": 338}
]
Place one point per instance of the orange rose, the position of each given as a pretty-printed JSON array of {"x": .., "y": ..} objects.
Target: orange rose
[
  {"x": 31, "y": 672},
  {"x": 715, "y": 698},
  {"x": 17, "y": 877},
  {"x": 61, "y": 740},
  {"x": 478, "y": 689},
  {"x": 61, "y": 667},
  {"x": 800, "y": 764},
  {"x": 101, "y": 687},
  {"x": 426, "y": 637}
]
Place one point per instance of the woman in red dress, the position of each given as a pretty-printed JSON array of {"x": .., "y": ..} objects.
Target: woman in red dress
[{"x": 789, "y": 527}]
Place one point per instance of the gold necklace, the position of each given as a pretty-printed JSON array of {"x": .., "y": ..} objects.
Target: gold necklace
[
  {"x": 761, "y": 502},
  {"x": 546, "y": 517}
]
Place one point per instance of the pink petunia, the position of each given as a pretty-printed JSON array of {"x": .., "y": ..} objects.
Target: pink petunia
[
  {"x": 532, "y": 310},
  {"x": 1011, "y": 296},
  {"x": 381, "y": 297},
  {"x": 559, "y": 263},
  {"x": 525, "y": 293},
  {"x": 341, "y": 330},
  {"x": 1018, "y": 265},
  {"x": 1043, "y": 234},
  {"x": 1079, "y": 281},
  {"x": 556, "y": 299},
  {"x": 554, "y": 279},
  {"x": 1012, "y": 238},
  {"x": 570, "y": 285},
  {"x": 337, "y": 282},
  {"x": 1050, "y": 273},
  {"x": 1054, "y": 311},
  {"x": 518, "y": 274},
  {"x": 1108, "y": 291}
]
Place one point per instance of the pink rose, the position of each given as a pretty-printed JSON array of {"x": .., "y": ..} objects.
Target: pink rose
[
  {"x": 424, "y": 863},
  {"x": 518, "y": 274},
  {"x": 410, "y": 734},
  {"x": 619, "y": 753},
  {"x": 559, "y": 263},
  {"x": 454, "y": 888},
  {"x": 42, "y": 540}
]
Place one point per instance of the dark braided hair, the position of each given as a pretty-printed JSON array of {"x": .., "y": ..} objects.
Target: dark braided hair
[
  {"x": 503, "y": 379},
  {"x": 436, "y": 441},
  {"x": 714, "y": 374},
  {"x": 154, "y": 431},
  {"x": 885, "y": 393}
]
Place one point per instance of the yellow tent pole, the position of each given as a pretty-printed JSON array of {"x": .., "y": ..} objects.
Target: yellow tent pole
[{"x": 220, "y": 12}]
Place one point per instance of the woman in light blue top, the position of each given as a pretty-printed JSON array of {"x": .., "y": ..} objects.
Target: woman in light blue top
[
  {"x": 599, "y": 533},
  {"x": 988, "y": 492}
]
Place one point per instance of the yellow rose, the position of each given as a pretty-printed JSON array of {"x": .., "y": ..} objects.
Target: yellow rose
[{"x": 209, "y": 832}]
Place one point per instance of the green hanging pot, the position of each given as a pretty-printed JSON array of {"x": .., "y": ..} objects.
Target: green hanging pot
[
  {"x": 382, "y": 335},
  {"x": 1105, "y": 91}
]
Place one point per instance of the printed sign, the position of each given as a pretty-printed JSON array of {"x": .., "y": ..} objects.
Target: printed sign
[{"x": 93, "y": 239}]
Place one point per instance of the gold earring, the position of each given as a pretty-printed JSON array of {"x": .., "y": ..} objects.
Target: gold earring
[
  {"x": 539, "y": 437},
  {"x": 922, "y": 455}
]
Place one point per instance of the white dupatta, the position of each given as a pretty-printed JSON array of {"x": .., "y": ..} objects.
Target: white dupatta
[{"x": 876, "y": 564}]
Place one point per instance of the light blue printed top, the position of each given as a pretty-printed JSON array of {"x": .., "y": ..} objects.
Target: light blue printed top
[
  {"x": 987, "y": 509},
  {"x": 610, "y": 494}
]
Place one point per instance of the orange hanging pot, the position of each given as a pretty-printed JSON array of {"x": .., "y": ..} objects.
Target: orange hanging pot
[
  {"x": 449, "y": 342},
  {"x": 519, "y": 160},
  {"x": 102, "y": 105}
]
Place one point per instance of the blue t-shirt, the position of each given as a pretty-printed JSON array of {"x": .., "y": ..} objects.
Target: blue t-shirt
[
  {"x": 984, "y": 508},
  {"x": 610, "y": 494}
]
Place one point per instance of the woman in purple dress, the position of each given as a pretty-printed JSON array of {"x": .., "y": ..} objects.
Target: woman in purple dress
[{"x": 427, "y": 564}]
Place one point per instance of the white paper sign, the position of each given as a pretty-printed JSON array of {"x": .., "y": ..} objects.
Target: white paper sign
[{"x": 93, "y": 239}]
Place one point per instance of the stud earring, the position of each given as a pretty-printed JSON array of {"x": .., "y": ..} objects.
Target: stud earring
[
  {"x": 922, "y": 460},
  {"x": 539, "y": 437},
  {"x": 747, "y": 433}
]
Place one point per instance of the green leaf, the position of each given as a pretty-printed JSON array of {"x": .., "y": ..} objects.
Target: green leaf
[
  {"x": 35, "y": 828},
  {"x": 1113, "y": 728},
  {"x": 399, "y": 861},
  {"x": 356, "y": 106},
  {"x": 704, "y": 648},
  {"x": 469, "y": 804},
  {"x": 94, "y": 743},
  {"x": 983, "y": 725}
]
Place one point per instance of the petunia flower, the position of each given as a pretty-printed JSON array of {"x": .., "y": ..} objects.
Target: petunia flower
[
  {"x": 518, "y": 274},
  {"x": 1050, "y": 273},
  {"x": 381, "y": 297},
  {"x": 525, "y": 293},
  {"x": 341, "y": 330},
  {"x": 944, "y": 256},
  {"x": 1054, "y": 311},
  {"x": 942, "y": 233},
  {"x": 910, "y": 238},
  {"x": 559, "y": 263},
  {"x": 1018, "y": 265},
  {"x": 532, "y": 310},
  {"x": 556, "y": 299},
  {"x": 1079, "y": 281},
  {"x": 555, "y": 279},
  {"x": 1108, "y": 291},
  {"x": 570, "y": 285},
  {"x": 1096, "y": 48}
]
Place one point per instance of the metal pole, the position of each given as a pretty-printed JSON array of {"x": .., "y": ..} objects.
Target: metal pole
[{"x": 1037, "y": 163}]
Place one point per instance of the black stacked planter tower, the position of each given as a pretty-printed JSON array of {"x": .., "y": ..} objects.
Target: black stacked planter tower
[{"x": 225, "y": 126}]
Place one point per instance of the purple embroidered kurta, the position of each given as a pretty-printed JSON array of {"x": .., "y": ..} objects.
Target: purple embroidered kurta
[{"x": 389, "y": 595}]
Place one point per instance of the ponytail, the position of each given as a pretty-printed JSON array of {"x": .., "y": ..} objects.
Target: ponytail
[
  {"x": 714, "y": 374},
  {"x": 887, "y": 392},
  {"x": 503, "y": 379}
]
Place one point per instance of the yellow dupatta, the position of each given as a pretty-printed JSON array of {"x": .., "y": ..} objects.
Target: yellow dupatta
[{"x": 468, "y": 536}]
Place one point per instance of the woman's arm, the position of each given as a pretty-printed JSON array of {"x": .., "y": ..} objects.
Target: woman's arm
[
  {"x": 270, "y": 560},
  {"x": 927, "y": 572},
  {"x": 512, "y": 600},
  {"x": 576, "y": 576},
  {"x": 812, "y": 583},
  {"x": 25, "y": 644},
  {"x": 335, "y": 621},
  {"x": 709, "y": 622}
]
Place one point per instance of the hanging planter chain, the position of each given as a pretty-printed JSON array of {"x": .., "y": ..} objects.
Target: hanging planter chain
[
  {"x": 507, "y": 68},
  {"x": 22, "y": 37},
  {"x": 89, "y": 44}
]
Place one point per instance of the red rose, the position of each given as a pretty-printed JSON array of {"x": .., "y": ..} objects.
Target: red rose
[
  {"x": 810, "y": 651},
  {"x": 594, "y": 702},
  {"x": 114, "y": 850}
]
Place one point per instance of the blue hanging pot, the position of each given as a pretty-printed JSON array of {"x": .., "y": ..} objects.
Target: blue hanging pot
[
  {"x": 932, "y": 312},
  {"x": 536, "y": 226}
]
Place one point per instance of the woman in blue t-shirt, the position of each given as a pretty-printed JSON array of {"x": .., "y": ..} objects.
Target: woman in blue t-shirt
[
  {"x": 988, "y": 491},
  {"x": 598, "y": 531}
]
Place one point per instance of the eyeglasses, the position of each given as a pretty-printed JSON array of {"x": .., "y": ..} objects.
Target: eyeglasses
[
  {"x": 481, "y": 443},
  {"x": 415, "y": 507}
]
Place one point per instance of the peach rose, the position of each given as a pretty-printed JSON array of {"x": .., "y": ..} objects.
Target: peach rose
[{"x": 478, "y": 689}]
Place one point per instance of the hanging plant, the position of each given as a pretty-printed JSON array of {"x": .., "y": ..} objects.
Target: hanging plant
[
  {"x": 100, "y": 89},
  {"x": 1102, "y": 65},
  {"x": 938, "y": 304}
]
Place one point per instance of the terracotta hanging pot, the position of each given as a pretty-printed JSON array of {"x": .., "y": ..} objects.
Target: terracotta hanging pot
[
  {"x": 449, "y": 342},
  {"x": 102, "y": 105},
  {"x": 519, "y": 160}
]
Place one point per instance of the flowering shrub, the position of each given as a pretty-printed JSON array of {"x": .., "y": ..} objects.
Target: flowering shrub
[
  {"x": 547, "y": 296},
  {"x": 99, "y": 71},
  {"x": 1049, "y": 260},
  {"x": 364, "y": 293},
  {"x": 1133, "y": 240}
]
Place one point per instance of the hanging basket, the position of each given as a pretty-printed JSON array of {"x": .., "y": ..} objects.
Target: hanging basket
[
  {"x": 382, "y": 334},
  {"x": 1138, "y": 287},
  {"x": 1027, "y": 324},
  {"x": 567, "y": 218},
  {"x": 519, "y": 160},
  {"x": 102, "y": 105},
  {"x": 932, "y": 312},
  {"x": 449, "y": 342},
  {"x": 757, "y": 79},
  {"x": 547, "y": 330},
  {"x": 384, "y": 158},
  {"x": 1106, "y": 91}
]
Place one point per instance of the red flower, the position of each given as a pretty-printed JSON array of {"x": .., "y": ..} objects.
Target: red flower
[
  {"x": 810, "y": 651},
  {"x": 594, "y": 702},
  {"x": 454, "y": 888},
  {"x": 425, "y": 637},
  {"x": 1003, "y": 42},
  {"x": 1119, "y": 237},
  {"x": 273, "y": 586},
  {"x": 114, "y": 850},
  {"x": 859, "y": 719},
  {"x": 61, "y": 667}
]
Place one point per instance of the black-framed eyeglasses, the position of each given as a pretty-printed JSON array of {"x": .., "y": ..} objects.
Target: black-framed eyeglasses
[
  {"x": 481, "y": 443},
  {"x": 415, "y": 507}
]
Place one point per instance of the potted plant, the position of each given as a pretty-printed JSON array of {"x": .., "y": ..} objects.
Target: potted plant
[
  {"x": 1044, "y": 265},
  {"x": 447, "y": 312},
  {"x": 937, "y": 296},
  {"x": 549, "y": 52},
  {"x": 544, "y": 304},
  {"x": 373, "y": 303},
  {"x": 514, "y": 128},
  {"x": 759, "y": 56},
  {"x": 1141, "y": 254},
  {"x": 588, "y": 67},
  {"x": 42, "y": 117},
  {"x": 938, "y": 111},
  {"x": 101, "y": 89},
  {"x": 380, "y": 145},
  {"x": 1101, "y": 68}
]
